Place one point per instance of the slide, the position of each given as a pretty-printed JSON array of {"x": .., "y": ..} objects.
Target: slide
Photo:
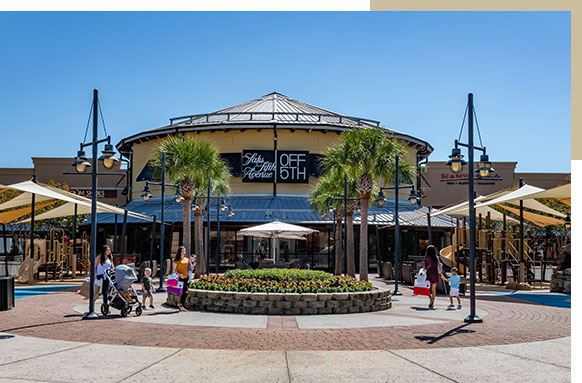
[
  {"x": 447, "y": 259},
  {"x": 23, "y": 269}
]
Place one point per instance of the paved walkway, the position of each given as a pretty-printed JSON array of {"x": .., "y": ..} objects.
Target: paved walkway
[
  {"x": 25, "y": 359},
  {"x": 44, "y": 339}
]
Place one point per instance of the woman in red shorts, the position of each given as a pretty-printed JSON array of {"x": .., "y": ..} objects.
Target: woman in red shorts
[{"x": 431, "y": 264}]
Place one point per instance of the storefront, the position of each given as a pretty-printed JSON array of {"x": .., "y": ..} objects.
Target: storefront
[{"x": 272, "y": 145}]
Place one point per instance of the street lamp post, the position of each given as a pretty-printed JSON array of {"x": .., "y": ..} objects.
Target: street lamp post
[
  {"x": 81, "y": 164},
  {"x": 146, "y": 195},
  {"x": 381, "y": 200},
  {"x": 456, "y": 163}
]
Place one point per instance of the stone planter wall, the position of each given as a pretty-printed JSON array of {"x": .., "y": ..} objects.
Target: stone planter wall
[
  {"x": 285, "y": 304},
  {"x": 561, "y": 282}
]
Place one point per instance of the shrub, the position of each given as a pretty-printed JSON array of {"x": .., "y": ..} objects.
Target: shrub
[
  {"x": 279, "y": 274},
  {"x": 280, "y": 281}
]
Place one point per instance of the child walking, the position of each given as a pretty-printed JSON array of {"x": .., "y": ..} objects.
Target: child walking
[
  {"x": 146, "y": 288},
  {"x": 454, "y": 281}
]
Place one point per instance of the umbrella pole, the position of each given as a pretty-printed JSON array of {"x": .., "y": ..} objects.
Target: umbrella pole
[
  {"x": 31, "y": 259},
  {"x": 6, "y": 250}
]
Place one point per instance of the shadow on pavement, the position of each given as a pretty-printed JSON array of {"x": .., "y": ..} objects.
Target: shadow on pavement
[{"x": 454, "y": 331}]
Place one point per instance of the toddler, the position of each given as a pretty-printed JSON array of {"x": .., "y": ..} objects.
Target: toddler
[
  {"x": 146, "y": 288},
  {"x": 454, "y": 281}
]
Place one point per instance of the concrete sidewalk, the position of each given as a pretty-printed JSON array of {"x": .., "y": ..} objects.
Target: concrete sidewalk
[{"x": 26, "y": 359}]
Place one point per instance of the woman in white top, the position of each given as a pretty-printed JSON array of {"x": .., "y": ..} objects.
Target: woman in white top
[{"x": 104, "y": 262}]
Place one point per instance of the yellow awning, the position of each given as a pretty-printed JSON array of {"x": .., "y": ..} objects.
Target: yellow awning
[
  {"x": 12, "y": 215},
  {"x": 536, "y": 219}
]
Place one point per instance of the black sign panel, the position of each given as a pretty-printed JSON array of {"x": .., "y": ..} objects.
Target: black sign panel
[{"x": 259, "y": 166}]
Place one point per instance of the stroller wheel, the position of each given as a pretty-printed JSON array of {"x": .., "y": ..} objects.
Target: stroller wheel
[
  {"x": 104, "y": 309},
  {"x": 138, "y": 311},
  {"x": 124, "y": 312}
]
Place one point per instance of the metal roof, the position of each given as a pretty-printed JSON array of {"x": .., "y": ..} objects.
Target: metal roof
[
  {"x": 291, "y": 209},
  {"x": 263, "y": 113}
]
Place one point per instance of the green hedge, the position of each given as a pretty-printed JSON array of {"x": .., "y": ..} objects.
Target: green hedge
[
  {"x": 280, "y": 281},
  {"x": 279, "y": 274}
]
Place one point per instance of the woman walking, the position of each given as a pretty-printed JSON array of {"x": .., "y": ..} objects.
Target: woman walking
[
  {"x": 104, "y": 262},
  {"x": 433, "y": 274},
  {"x": 181, "y": 266}
]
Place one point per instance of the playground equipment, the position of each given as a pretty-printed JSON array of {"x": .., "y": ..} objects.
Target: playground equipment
[
  {"x": 497, "y": 253},
  {"x": 55, "y": 255}
]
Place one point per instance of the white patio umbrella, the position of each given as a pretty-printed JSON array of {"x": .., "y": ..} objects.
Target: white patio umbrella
[{"x": 276, "y": 230}]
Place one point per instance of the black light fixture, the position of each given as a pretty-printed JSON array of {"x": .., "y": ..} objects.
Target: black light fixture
[
  {"x": 81, "y": 162},
  {"x": 322, "y": 214},
  {"x": 230, "y": 212},
  {"x": 108, "y": 158},
  {"x": 331, "y": 208},
  {"x": 358, "y": 207},
  {"x": 414, "y": 196},
  {"x": 456, "y": 161},
  {"x": 380, "y": 200},
  {"x": 484, "y": 166},
  {"x": 195, "y": 207},
  {"x": 146, "y": 193},
  {"x": 178, "y": 196},
  {"x": 568, "y": 221},
  {"x": 223, "y": 206}
]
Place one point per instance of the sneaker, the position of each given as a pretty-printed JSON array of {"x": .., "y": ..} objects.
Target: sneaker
[
  {"x": 451, "y": 307},
  {"x": 144, "y": 308},
  {"x": 459, "y": 307},
  {"x": 152, "y": 307}
]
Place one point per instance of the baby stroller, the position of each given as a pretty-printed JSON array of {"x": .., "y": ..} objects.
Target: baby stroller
[{"x": 121, "y": 295}]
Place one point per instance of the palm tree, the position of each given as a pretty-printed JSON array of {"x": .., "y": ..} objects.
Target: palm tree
[
  {"x": 368, "y": 157},
  {"x": 331, "y": 185},
  {"x": 189, "y": 163}
]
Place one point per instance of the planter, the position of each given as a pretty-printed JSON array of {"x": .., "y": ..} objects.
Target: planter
[{"x": 285, "y": 304}]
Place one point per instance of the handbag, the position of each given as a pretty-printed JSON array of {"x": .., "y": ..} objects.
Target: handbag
[
  {"x": 421, "y": 288},
  {"x": 176, "y": 289}
]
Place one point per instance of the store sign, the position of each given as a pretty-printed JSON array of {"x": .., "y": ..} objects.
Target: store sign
[{"x": 260, "y": 166}]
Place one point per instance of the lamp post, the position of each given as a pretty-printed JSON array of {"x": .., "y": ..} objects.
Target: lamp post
[
  {"x": 146, "y": 195},
  {"x": 456, "y": 163},
  {"x": 414, "y": 197},
  {"x": 81, "y": 164}
]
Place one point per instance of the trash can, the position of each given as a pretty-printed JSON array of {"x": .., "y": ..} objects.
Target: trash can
[{"x": 6, "y": 293}]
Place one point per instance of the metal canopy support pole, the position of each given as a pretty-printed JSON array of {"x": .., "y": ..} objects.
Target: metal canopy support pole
[
  {"x": 429, "y": 226},
  {"x": 115, "y": 249},
  {"x": 74, "y": 265},
  {"x": 163, "y": 224},
  {"x": 521, "y": 241},
  {"x": 276, "y": 161},
  {"x": 31, "y": 259},
  {"x": 472, "y": 318},
  {"x": 6, "y": 250},
  {"x": 217, "y": 232},
  {"x": 396, "y": 230},
  {"x": 152, "y": 240},
  {"x": 208, "y": 228},
  {"x": 345, "y": 265},
  {"x": 123, "y": 234},
  {"x": 91, "y": 314}
]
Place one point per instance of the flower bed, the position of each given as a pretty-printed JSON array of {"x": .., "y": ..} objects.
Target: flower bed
[{"x": 280, "y": 281}]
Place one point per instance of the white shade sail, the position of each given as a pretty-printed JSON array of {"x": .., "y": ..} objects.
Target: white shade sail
[
  {"x": 523, "y": 193},
  {"x": 65, "y": 210},
  {"x": 559, "y": 192}
]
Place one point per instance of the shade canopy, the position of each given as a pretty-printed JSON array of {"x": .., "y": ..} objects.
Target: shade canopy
[
  {"x": 523, "y": 193},
  {"x": 277, "y": 229},
  {"x": 536, "y": 219},
  {"x": 9, "y": 216},
  {"x": 66, "y": 210},
  {"x": 45, "y": 193}
]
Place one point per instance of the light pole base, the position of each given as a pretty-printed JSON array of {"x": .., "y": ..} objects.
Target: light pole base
[
  {"x": 473, "y": 319},
  {"x": 396, "y": 292},
  {"x": 91, "y": 315}
]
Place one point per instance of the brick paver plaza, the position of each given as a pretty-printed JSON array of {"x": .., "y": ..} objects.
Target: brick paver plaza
[{"x": 409, "y": 325}]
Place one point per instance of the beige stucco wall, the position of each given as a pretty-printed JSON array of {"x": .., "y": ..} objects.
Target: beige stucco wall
[{"x": 235, "y": 141}]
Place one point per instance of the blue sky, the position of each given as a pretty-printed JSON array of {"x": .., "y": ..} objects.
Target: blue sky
[{"x": 410, "y": 70}]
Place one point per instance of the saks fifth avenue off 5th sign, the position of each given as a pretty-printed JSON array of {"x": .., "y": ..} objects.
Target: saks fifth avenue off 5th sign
[{"x": 259, "y": 166}]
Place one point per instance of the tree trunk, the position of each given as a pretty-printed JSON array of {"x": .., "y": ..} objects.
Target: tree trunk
[
  {"x": 339, "y": 259},
  {"x": 350, "y": 251},
  {"x": 364, "y": 239},
  {"x": 186, "y": 239}
]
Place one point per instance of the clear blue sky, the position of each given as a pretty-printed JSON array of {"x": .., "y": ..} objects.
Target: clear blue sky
[{"x": 410, "y": 70}]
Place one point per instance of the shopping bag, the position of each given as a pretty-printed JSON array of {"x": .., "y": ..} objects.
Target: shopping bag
[
  {"x": 176, "y": 289},
  {"x": 85, "y": 289},
  {"x": 421, "y": 288},
  {"x": 172, "y": 280},
  {"x": 421, "y": 275}
]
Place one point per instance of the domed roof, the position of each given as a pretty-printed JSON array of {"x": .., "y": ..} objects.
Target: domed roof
[{"x": 267, "y": 112}]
